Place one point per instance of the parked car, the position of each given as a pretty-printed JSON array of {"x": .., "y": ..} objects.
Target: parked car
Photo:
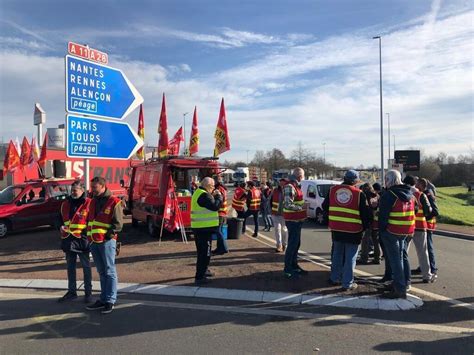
[
  {"x": 314, "y": 193},
  {"x": 32, "y": 204}
]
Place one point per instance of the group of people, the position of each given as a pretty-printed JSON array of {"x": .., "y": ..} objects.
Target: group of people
[
  {"x": 389, "y": 218},
  {"x": 90, "y": 226}
]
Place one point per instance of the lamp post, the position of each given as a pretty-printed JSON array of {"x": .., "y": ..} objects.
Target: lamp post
[
  {"x": 389, "y": 151},
  {"x": 184, "y": 131},
  {"x": 382, "y": 173}
]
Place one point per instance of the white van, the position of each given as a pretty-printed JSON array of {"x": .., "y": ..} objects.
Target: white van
[{"x": 314, "y": 192}]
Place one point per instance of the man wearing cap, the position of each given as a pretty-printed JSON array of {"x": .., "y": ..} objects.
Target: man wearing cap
[
  {"x": 349, "y": 215},
  {"x": 294, "y": 213}
]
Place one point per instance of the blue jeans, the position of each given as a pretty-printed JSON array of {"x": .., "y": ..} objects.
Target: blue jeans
[
  {"x": 431, "y": 256},
  {"x": 388, "y": 270},
  {"x": 406, "y": 262},
  {"x": 394, "y": 246},
  {"x": 221, "y": 242},
  {"x": 104, "y": 259},
  {"x": 343, "y": 262},
  {"x": 294, "y": 242},
  {"x": 71, "y": 259}
]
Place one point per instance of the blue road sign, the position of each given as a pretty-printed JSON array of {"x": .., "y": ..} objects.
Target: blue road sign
[
  {"x": 98, "y": 90},
  {"x": 101, "y": 139}
]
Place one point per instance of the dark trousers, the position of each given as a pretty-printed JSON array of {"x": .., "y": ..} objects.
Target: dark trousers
[
  {"x": 203, "y": 241},
  {"x": 221, "y": 242},
  {"x": 241, "y": 214},
  {"x": 406, "y": 262},
  {"x": 255, "y": 218},
  {"x": 431, "y": 255},
  {"x": 71, "y": 259},
  {"x": 370, "y": 234},
  {"x": 388, "y": 270},
  {"x": 294, "y": 242}
]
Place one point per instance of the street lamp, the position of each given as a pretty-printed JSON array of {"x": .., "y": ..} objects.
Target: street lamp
[
  {"x": 389, "y": 152},
  {"x": 382, "y": 174},
  {"x": 184, "y": 131}
]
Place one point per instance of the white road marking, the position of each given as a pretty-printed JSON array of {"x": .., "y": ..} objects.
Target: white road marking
[{"x": 325, "y": 263}]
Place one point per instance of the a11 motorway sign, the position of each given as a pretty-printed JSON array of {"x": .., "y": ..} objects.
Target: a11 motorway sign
[
  {"x": 98, "y": 90},
  {"x": 96, "y": 138}
]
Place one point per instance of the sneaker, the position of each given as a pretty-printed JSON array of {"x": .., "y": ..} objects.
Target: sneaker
[
  {"x": 219, "y": 252},
  {"x": 431, "y": 279},
  {"x": 376, "y": 262},
  {"x": 279, "y": 249},
  {"x": 87, "y": 299},
  {"x": 301, "y": 271},
  {"x": 97, "y": 305},
  {"x": 209, "y": 274},
  {"x": 408, "y": 288},
  {"x": 203, "y": 281},
  {"x": 255, "y": 235},
  {"x": 108, "y": 308},
  {"x": 69, "y": 296},
  {"x": 416, "y": 271},
  {"x": 353, "y": 286}
]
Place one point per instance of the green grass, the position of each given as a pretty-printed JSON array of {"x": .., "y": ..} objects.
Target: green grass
[{"x": 456, "y": 205}]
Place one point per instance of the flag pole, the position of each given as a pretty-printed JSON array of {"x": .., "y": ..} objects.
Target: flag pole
[{"x": 161, "y": 231}]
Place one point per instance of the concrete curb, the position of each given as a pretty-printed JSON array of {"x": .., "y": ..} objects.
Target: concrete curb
[
  {"x": 454, "y": 235},
  {"x": 359, "y": 302}
]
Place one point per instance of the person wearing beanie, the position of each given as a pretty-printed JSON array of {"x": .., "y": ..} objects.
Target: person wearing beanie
[{"x": 349, "y": 215}]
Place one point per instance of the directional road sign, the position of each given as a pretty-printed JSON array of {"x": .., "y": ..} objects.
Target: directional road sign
[
  {"x": 98, "y": 90},
  {"x": 101, "y": 139}
]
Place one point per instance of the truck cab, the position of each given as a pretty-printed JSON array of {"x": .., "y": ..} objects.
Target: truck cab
[
  {"x": 32, "y": 204},
  {"x": 149, "y": 185}
]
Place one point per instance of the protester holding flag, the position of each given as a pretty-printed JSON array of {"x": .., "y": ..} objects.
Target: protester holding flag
[
  {"x": 163, "y": 131},
  {"x": 221, "y": 135},
  {"x": 205, "y": 205},
  {"x": 194, "y": 141},
  {"x": 141, "y": 133}
]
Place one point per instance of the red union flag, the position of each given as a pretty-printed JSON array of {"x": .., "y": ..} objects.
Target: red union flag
[
  {"x": 169, "y": 214},
  {"x": 173, "y": 147},
  {"x": 34, "y": 152},
  {"x": 12, "y": 159},
  {"x": 42, "y": 158},
  {"x": 194, "y": 141},
  {"x": 221, "y": 135},
  {"x": 25, "y": 152},
  {"x": 163, "y": 131},
  {"x": 141, "y": 133}
]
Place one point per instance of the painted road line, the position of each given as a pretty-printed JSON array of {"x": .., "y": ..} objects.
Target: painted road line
[{"x": 325, "y": 263}]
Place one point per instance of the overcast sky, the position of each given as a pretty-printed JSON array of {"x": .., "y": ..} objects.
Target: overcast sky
[{"x": 289, "y": 70}]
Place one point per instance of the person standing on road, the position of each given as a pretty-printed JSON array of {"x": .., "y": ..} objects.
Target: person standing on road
[
  {"x": 294, "y": 213},
  {"x": 370, "y": 234},
  {"x": 222, "y": 247},
  {"x": 205, "y": 205},
  {"x": 238, "y": 202},
  {"x": 396, "y": 224},
  {"x": 74, "y": 241},
  {"x": 348, "y": 215},
  {"x": 105, "y": 220},
  {"x": 423, "y": 185},
  {"x": 254, "y": 199},
  {"x": 265, "y": 207},
  {"x": 281, "y": 232},
  {"x": 419, "y": 237}
]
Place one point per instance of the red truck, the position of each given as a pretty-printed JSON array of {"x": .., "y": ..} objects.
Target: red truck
[
  {"x": 148, "y": 187},
  {"x": 32, "y": 204}
]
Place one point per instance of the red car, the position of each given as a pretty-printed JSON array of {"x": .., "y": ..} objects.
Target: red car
[{"x": 32, "y": 204}]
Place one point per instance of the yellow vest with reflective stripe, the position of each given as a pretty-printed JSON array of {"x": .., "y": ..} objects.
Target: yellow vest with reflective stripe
[{"x": 201, "y": 217}]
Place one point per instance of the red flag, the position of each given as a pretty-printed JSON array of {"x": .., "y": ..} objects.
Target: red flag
[
  {"x": 173, "y": 147},
  {"x": 12, "y": 159},
  {"x": 221, "y": 135},
  {"x": 141, "y": 133},
  {"x": 194, "y": 140},
  {"x": 32, "y": 156},
  {"x": 169, "y": 213},
  {"x": 163, "y": 131},
  {"x": 42, "y": 158},
  {"x": 25, "y": 152}
]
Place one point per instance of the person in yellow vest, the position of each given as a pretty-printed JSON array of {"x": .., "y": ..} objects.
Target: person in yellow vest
[
  {"x": 294, "y": 213},
  {"x": 104, "y": 222},
  {"x": 238, "y": 203},
  {"x": 74, "y": 243},
  {"x": 396, "y": 224},
  {"x": 254, "y": 199},
  {"x": 205, "y": 205},
  {"x": 222, "y": 247},
  {"x": 281, "y": 232},
  {"x": 348, "y": 215}
]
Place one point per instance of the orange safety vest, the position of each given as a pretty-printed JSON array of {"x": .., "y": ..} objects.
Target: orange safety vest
[
  {"x": 255, "y": 199},
  {"x": 223, "y": 208},
  {"x": 238, "y": 201},
  {"x": 295, "y": 216},
  {"x": 344, "y": 213},
  {"x": 401, "y": 219},
  {"x": 78, "y": 223},
  {"x": 98, "y": 226},
  {"x": 431, "y": 224},
  {"x": 275, "y": 197},
  {"x": 420, "y": 219}
]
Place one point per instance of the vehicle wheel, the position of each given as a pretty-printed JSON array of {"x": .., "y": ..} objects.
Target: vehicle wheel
[
  {"x": 151, "y": 227},
  {"x": 320, "y": 217},
  {"x": 4, "y": 228},
  {"x": 134, "y": 222}
]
